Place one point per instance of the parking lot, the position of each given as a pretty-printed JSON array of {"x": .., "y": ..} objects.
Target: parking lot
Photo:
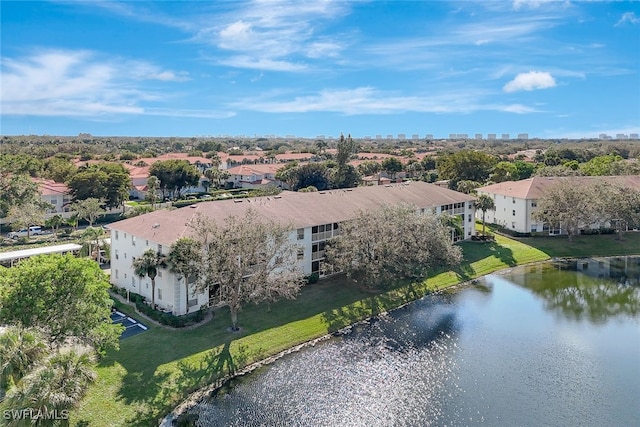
[{"x": 133, "y": 327}]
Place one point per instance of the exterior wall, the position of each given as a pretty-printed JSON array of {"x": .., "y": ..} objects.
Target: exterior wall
[
  {"x": 170, "y": 291},
  {"x": 513, "y": 213}
]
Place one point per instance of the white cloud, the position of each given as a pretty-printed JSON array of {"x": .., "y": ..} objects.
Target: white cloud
[
  {"x": 80, "y": 84},
  {"x": 628, "y": 17},
  {"x": 368, "y": 100},
  {"x": 533, "y": 4},
  {"x": 530, "y": 81},
  {"x": 269, "y": 35}
]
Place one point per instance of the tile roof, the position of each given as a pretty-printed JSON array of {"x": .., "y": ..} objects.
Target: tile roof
[
  {"x": 533, "y": 188},
  {"x": 48, "y": 187},
  {"x": 299, "y": 210},
  {"x": 259, "y": 169}
]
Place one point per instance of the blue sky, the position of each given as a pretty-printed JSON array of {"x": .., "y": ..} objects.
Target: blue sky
[{"x": 195, "y": 68}]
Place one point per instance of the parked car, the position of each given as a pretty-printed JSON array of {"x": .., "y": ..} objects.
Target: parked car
[{"x": 33, "y": 231}]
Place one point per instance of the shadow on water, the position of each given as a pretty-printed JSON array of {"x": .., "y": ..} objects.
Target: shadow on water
[{"x": 606, "y": 288}]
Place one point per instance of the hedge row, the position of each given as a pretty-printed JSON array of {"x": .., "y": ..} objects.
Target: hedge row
[{"x": 160, "y": 316}]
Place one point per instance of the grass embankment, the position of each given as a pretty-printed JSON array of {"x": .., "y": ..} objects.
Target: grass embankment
[{"x": 156, "y": 370}]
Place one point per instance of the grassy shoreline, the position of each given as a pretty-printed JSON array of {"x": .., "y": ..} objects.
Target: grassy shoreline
[{"x": 155, "y": 371}]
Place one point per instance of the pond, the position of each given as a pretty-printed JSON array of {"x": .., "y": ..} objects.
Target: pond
[{"x": 550, "y": 344}]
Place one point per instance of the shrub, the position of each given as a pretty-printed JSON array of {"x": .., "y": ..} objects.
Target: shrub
[{"x": 313, "y": 278}]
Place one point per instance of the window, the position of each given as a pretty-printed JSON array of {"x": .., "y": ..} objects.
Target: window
[
  {"x": 300, "y": 233},
  {"x": 300, "y": 253},
  {"x": 469, "y": 218},
  {"x": 146, "y": 243},
  {"x": 133, "y": 240},
  {"x": 125, "y": 256},
  {"x": 513, "y": 200},
  {"x": 192, "y": 302},
  {"x": 133, "y": 282},
  {"x": 116, "y": 234},
  {"x": 159, "y": 273},
  {"x": 117, "y": 254},
  {"x": 159, "y": 293},
  {"x": 125, "y": 275},
  {"x": 314, "y": 229},
  {"x": 513, "y": 212},
  {"x": 513, "y": 225},
  {"x": 534, "y": 204},
  {"x": 159, "y": 249},
  {"x": 116, "y": 273}
]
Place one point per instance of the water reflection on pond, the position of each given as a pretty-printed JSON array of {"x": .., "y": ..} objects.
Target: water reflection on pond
[{"x": 541, "y": 345}]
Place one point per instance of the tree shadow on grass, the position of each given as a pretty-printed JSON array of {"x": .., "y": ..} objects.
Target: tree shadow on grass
[
  {"x": 217, "y": 365},
  {"x": 342, "y": 317}
]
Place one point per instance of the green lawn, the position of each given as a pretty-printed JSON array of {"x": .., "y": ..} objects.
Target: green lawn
[
  {"x": 582, "y": 246},
  {"x": 156, "y": 370}
]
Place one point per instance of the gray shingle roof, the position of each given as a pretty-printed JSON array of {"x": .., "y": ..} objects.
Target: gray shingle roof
[{"x": 298, "y": 210}]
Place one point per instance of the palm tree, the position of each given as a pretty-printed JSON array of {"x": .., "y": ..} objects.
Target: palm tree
[
  {"x": 20, "y": 350},
  {"x": 183, "y": 259},
  {"x": 93, "y": 235},
  {"x": 57, "y": 386},
  {"x": 484, "y": 203},
  {"x": 153, "y": 184},
  {"x": 148, "y": 265},
  {"x": 55, "y": 222}
]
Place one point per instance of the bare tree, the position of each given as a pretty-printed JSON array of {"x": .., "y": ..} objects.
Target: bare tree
[
  {"x": 247, "y": 260},
  {"x": 568, "y": 206},
  {"x": 383, "y": 245}
]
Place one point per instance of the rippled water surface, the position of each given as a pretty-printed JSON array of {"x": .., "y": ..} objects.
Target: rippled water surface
[{"x": 541, "y": 346}]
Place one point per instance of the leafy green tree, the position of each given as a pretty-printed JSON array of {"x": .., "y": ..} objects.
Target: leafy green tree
[
  {"x": 27, "y": 214},
  {"x": 217, "y": 177},
  {"x": 504, "y": 171},
  {"x": 248, "y": 259},
  {"x": 369, "y": 168},
  {"x": 184, "y": 259},
  {"x": 312, "y": 174},
  {"x": 288, "y": 174},
  {"x": 63, "y": 296},
  {"x": 57, "y": 387},
  {"x": 108, "y": 181},
  {"x": 367, "y": 254},
  {"x": 346, "y": 176},
  {"x": 559, "y": 170},
  {"x": 392, "y": 166},
  {"x": 466, "y": 165},
  {"x": 525, "y": 169},
  {"x": 601, "y": 165},
  {"x": 59, "y": 169},
  {"x": 147, "y": 265},
  {"x": 16, "y": 190},
  {"x": 89, "y": 209},
  {"x": 21, "y": 164},
  {"x": 20, "y": 351},
  {"x": 467, "y": 187},
  {"x": 175, "y": 175},
  {"x": 484, "y": 203}
]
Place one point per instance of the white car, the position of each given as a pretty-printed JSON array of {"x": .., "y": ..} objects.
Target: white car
[{"x": 33, "y": 231}]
